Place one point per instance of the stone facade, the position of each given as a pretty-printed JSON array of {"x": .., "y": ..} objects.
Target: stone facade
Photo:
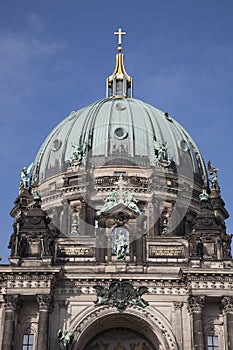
[{"x": 122, "y": 255}]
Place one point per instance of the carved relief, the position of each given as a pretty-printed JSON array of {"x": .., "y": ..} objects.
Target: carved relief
[
  {"x": 196, "y": 302},
  {"x": 11, "y": 301},
  {"x": 227, "y": 303},
  {"x": 121, "y": 294},
  {"x": 178, "y": 305},
  {"x": 45, "y": 301}
]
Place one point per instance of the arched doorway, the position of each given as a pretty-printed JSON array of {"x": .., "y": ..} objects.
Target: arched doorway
[
  {"x": 135, "y": 329},
  {"x": 119, "y": 338}
]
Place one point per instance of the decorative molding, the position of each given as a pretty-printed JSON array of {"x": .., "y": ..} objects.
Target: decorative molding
[
  {"x": 158, "y": 287},
  {"x": 29, "y": 280}
]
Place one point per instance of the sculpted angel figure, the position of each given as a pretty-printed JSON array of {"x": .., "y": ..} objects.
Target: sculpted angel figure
[
  {"x": 25, "y": 178},
  {"x": 214, "y": 175},
  {"x": 65, "y": 339}
]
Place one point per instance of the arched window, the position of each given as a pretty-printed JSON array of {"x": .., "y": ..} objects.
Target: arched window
[{"x": 212, "y": 342}]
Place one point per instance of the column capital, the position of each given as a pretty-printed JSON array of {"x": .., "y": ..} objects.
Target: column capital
[
  {"x": 11, "y": 301},
  {"x": 178, "y": 305},
  {"x": 45, "y": 301},
  {"x": 196, "y": 302},
  {"x": 227, "y": 303}
]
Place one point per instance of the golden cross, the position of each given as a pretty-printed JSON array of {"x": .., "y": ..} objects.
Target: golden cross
[{"x": 119, "y": 33}]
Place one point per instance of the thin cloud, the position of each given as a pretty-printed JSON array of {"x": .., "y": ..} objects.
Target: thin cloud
[{"x": 23, "y": 60}]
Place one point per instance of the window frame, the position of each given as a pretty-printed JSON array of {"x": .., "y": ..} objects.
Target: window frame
[
  {"x": 212, "y": 346},
  {"x": 29, "y": 342}
]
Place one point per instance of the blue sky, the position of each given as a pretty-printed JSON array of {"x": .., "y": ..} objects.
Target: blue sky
[{"x": 56, "y": 55}]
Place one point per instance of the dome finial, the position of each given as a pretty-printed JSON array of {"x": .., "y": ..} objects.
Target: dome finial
[{"x": 119, "y": 83}]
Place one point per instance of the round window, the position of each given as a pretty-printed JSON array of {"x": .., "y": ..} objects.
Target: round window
[
  {"x": 56, "y": 144},
  {"x": 120, "y": 133},
  {"x": 183, "y": 145},
  {"x": 120, "y": 106}
]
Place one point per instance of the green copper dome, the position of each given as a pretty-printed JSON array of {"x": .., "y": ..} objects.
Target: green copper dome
[{"x": 118, "y": 131}]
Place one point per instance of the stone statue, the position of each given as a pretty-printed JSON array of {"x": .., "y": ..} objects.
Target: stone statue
[
  {"x": 25, "y": 178},
  {"x": 65, "y": 339},
  {"x": 37, "y": 196},
  {"x": 79, "y": 154},
  {"x": 109, "y": 202},
  {"x": 120, "y": 197},
  {"x": 42, "y": 246},
  {"x": 214, "y": 176},
  {"x": 23, "y": 247},
  {"x": 74, "y": 225},
  {"x": 102, "y": 295},
  {"x": 121, "y": 245},
  {"x": 161, "y": 154},
  {"x": 164, "y": 225},
  {"x": 130, "y": 202}
]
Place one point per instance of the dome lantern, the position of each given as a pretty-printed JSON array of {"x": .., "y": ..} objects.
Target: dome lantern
[{"x": 119, "y": 84}]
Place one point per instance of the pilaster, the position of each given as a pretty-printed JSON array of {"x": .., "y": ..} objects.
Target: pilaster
[
  {"x": 10, "y": 305},
  {"x": 227, "y": 306},
  {"x": 196, "y": 305},
  {"x": 45, "y": 303}
]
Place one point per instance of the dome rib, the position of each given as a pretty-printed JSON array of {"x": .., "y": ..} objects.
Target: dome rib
[{"x": 97, "y": 124}]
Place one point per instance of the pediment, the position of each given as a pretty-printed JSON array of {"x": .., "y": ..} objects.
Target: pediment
[{"x": 118, "y": 208}]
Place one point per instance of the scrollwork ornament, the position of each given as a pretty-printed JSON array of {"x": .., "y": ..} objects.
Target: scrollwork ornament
[
  {"x": 227, "y": 303},
  {"x": 196, "y": 302}
]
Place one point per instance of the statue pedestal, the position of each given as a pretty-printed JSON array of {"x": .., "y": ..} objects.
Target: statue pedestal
[{"x": 120, "y": 266}]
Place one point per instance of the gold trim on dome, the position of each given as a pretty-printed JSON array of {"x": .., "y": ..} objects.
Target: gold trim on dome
[{"x": 119, "y": 71}]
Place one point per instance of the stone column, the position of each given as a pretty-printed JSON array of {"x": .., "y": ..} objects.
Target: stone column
[
  {"x": 45, "y": 304},
  {"x": 196, "y": 304},
  {"x": 227, "y": 306},
  {"x": 11, "y": 302}
]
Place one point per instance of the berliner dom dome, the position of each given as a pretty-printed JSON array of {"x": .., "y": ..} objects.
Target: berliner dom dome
[
  {"x": 119, "y": 136},
  {"x": 118, "y": 130}
]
